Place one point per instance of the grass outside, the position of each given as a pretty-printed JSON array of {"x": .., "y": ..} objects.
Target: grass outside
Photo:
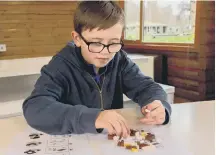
[{"x": 165, "y": 39}]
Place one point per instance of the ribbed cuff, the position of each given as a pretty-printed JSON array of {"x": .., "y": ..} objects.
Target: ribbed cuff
[
  {"x": 167, "y": 117},
  {"x": 99, "y": 130}
]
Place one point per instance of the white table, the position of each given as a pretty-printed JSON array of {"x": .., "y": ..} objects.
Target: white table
[{"x": 192, "y": 123}]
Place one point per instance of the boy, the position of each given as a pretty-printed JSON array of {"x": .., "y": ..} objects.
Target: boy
[{"x": 80, "y": 86}]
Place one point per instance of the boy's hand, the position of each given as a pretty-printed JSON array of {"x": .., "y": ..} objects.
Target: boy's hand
[
  {"x": 154, "y": 113},
  {"x": 113, "y": 122}
]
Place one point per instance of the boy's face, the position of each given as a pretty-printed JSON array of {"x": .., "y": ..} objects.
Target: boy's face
[{"x": 106, "y": 37}]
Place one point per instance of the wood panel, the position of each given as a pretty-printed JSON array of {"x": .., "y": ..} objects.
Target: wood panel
[
  {"x": 208, "y": 14},
  {"x": 37, "y": 25},
  {"x": 31, "y": 51},
  {"x": 207, "y": 39},
  {"x": 207, "y": 32},
  {"x": 196, "y": 86},
  {"x": 207, "y": 26},
  {"x": 207, "y": 51},
  {"x": 32, "y": 29},
  {"x": 195, "y": 75},
  {"x": 38, "y": 7},
  {"x": 34, "y": 33},
  {"x": 201, "y": 63},
  {"x": 183, "y": 83},
  {"x": 192, "y": 95},
  {"x": 51, "y": 3},
  {"x": 45, "y": 40},
  {"x": 189, "y": 94},
  {"x": 207, "y": 5},
  {"x": 34, "y": 17}
]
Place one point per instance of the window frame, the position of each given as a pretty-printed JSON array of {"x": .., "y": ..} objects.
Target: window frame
[{"x": 183, "y": 47}]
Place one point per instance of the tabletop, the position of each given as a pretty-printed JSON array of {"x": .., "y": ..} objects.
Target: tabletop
[{"x": 192, "y": 123}]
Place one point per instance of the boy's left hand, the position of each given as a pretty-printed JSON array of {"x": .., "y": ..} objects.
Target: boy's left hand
[{"x": 154, "y": 113}]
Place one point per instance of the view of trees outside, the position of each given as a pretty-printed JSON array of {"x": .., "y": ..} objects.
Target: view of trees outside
[{"x": 163, "y": 21}]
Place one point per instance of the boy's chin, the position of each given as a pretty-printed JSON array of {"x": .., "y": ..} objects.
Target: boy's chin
[{"x": 100, "y": 65}]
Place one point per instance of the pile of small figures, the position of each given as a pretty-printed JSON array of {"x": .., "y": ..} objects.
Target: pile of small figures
[{"x": 138, "y": 140}]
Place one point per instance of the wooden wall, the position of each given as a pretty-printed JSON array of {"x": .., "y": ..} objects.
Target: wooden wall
[
  {"x": 32, "y": 29},
  {"x": 192, "y": 72}
]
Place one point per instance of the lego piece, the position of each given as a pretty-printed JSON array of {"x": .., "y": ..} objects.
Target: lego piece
[
  {"x": 110, "y": 137},
  {"x": 132, "y": 132},
  {"x": 121, "y": 143}
]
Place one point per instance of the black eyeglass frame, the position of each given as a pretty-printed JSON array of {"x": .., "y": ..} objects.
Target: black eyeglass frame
[{"x": 107, "y": 46}]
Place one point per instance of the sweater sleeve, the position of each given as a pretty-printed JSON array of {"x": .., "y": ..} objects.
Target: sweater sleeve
[
  {"x": 44, "y": 111},
  {"x": 142, "y": 89}
]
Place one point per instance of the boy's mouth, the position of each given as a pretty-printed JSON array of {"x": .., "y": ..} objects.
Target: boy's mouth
[{"x": 103, "y": 58}]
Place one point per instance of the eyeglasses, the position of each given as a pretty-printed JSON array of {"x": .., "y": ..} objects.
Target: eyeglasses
[{"x": 97, "y": 47}]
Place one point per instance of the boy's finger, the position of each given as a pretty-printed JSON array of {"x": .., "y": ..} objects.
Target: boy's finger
[
  {"x": 149, "y": 107},
  {"x": 157, "y": 112},
  {"x": 153, "y": 105},
  {"x": 145, "y": 120},
  {"x": 124, "y": 129},
  {"x": 117, "y": 127},
  {"x": 160, "y": 120},
  {"x": 110, "y": 129},
  {"x": 151, "y": 123},
  {"x": 147, "y": 115},
  {"x": 145, "y": 111},
  {"x": 125, "y": 123}
]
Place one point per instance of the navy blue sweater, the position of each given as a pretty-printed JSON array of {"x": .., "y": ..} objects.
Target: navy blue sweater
[{"x": 67, "y": 99}]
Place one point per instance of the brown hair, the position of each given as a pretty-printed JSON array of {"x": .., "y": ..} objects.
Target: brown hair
[{"x": 97, "y": 14}]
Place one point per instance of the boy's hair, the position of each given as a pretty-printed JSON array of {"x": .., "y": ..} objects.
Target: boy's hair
[{"x": 97, "y": 14}]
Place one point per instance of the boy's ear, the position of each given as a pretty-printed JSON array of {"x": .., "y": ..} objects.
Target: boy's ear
[{"x": 76, "y": 38}]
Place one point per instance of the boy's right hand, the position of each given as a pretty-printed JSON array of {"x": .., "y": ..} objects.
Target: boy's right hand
[{"x": 113, "y": 122}]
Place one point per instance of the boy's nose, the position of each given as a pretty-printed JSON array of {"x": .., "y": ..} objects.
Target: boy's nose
[{"x": 105, "y": 50}]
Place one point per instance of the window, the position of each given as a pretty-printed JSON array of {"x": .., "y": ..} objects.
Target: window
[
  {"x": 132, "y": 23},
  {"x": 160, "y": 22}
]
